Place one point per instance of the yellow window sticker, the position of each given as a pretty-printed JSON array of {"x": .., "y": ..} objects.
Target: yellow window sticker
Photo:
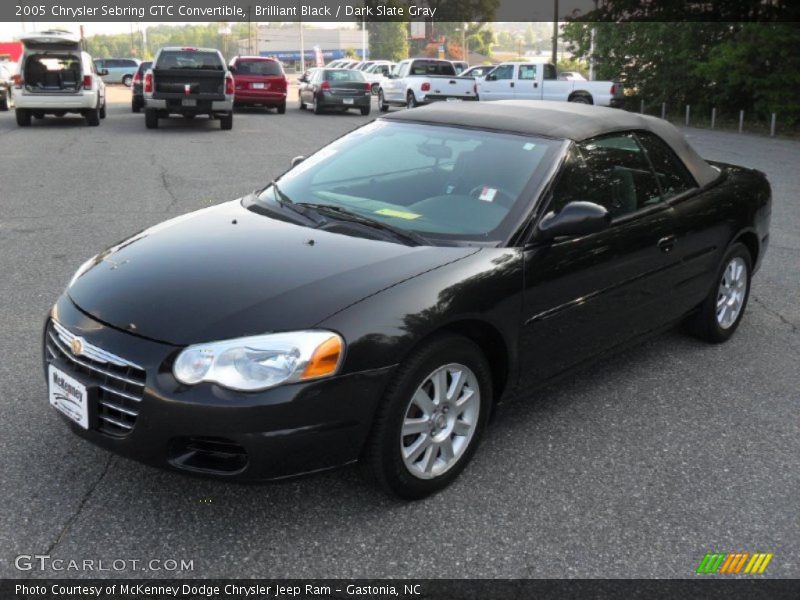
[{"x": 400, "y": 214}]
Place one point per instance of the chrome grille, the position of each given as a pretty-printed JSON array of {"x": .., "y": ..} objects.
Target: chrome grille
[{"x": 119, "y": 382}]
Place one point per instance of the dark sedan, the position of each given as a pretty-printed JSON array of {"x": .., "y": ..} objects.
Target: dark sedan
[
  {"x": 335, "y": 89},
  {"x": 137, "y": 93},
  {"x": 374, "y": 309}
]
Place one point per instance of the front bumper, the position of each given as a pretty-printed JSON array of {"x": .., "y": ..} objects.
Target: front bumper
[{"x": 208, "y": 430}]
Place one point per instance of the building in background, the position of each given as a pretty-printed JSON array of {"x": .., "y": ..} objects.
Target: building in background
[{"x": 284, "y": 43}]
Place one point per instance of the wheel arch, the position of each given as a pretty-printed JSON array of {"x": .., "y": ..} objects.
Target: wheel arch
[
  {"x": 582, "y": 93},
  {"x": 750, "y": 241}
]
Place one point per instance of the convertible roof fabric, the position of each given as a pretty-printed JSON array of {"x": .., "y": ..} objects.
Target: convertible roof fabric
[{"x": 563, "y": 120}]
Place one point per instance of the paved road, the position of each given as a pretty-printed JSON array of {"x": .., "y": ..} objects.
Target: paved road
[{"x": 634, "y": 468}]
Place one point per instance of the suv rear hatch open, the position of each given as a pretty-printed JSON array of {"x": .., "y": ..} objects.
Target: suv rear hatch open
[{"x": 51, "y": 63}]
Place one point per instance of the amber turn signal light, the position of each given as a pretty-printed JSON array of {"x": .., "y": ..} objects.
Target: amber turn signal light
[{"x": 325, "y": 359}]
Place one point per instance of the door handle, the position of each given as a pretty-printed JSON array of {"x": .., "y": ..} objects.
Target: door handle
[
  {"x": 512, "y": 84},
  {"x": 667, "y": 243},
  {"x": 535, "y": 84}
]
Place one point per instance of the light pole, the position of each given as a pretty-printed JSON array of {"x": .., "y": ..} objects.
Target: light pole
[{"x": 555, "y": 32}]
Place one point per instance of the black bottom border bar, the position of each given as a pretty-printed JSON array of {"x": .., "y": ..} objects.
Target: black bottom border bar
[{"x": 402, "y": 589}]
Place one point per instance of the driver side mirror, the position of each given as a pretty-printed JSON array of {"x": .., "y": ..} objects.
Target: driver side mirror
[
  {"x": 102, "y": 72},
  {"x": 297, "y": 160},
  {"x": 232, "y": 68},
  {"x": 491, "y": 77},
  {"x": 575, "y": 219}
]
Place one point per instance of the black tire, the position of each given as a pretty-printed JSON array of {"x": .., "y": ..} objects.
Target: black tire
[
  {"x": 23, "y": 117},
  {"x": 365, "y": 110},
  {"x": 127, "y": 80},
  {"x": 382, "y": 106},
  {"x": 103, "y": 111},
  {"x": 93, "y": 117},
  {"x": 411, "y": 100},
  {"x": 38, "y": 115},
  {"x": 282, "y": 109},
  {"x": 226, "y": 122},
  {"x": 383, "y": 457},
  {"x": 135, "y": 105},
  {"x": 151, "y": 118},
  {"x": 317, "y": 107},
  {"x": 302, "y": 104},
  {"x": 705, "y": 324},
  {"x": 581, "y": 99},
  {"x": 4, "y": 104}
]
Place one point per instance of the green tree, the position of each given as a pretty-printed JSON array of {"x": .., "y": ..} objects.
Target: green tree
[{"x": 388, "y": 40}]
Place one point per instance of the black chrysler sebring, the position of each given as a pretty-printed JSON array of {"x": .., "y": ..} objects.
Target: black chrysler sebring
[{"x": 378, "y": 299}]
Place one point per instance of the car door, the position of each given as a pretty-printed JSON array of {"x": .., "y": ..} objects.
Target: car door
[
  {"x": 586, "y": 294},
  {"x": 393, "y": 88},
  {"x": 498, "y": 84},
  {"x": 527, "y": 85}
]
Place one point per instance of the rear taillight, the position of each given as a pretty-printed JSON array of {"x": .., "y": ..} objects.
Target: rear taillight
[
  {"x": 137, "y": 78},
  {"x": 367, "y": 87},
  {"x": 229, "y": 85},
  {"x": 426, "y": 87},
  {"x": 87, "y": 82},
  {"x": 613, "y": 89},
  {"x": 326, "y": 85},
  {"x": 148, "y": 83},
  {"x": 17, "y": 79}
]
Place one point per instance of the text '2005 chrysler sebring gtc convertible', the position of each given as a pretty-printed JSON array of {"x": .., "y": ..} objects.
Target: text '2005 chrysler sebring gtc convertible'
[{"x": 377, "y": 300}]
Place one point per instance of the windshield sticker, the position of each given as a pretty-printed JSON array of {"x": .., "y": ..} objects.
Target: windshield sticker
[
  {"x": 487, "y": 194},
  {"x": 400, "y": 214}
]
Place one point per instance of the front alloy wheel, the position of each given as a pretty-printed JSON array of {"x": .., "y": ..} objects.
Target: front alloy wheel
[
  {"x": 440, "y": 421},
  {"x": 731, "y": 292},
  {"x": 431, "y": 417}
]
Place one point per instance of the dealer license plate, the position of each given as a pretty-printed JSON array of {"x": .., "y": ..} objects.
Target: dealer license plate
[
  {"x": 68, "y": 395},
  {"x": 189, "y": 102},
  {"x": 347, "y": 100},
  {"x": 257, "y": 86}
]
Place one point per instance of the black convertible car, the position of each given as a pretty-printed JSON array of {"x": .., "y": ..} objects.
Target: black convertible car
[{"x": 377, "y": 300}]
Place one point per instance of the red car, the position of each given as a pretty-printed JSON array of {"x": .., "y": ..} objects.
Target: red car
[{"x": 259, "y": 81}]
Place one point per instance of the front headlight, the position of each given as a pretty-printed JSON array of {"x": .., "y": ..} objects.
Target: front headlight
[{"x": 263, "y": 361}]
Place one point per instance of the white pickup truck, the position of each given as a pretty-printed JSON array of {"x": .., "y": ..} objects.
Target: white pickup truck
[
  {"x": 421, "y": 81},
  {"x": 539, "y": 81}
]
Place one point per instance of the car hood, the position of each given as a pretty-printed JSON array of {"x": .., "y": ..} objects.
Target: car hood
[{"x": 226, "y": 272}]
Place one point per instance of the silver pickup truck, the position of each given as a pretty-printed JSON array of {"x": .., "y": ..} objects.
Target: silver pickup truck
[
  {"x": 421, "y": 81},
  {"x": 188, "y": 82}
]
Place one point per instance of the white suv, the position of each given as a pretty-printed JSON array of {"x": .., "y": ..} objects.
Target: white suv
[{"x": 56, "y": 77}]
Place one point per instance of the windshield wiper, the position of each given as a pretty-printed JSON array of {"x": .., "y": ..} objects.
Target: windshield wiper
[
  {"x": 285, "y": 202},
  {"x": 409, "y": 237}
]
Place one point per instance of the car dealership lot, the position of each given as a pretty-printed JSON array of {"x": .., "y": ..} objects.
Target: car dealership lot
[{"x": 636, "y": 466}]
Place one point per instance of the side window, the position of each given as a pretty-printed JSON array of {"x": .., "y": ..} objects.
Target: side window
[
  {"x": 550, "y": 71},
  {"x": 619, "y": 176},
  {"x": 527, "y": 72},
  {"x": 572, "y": 184},
  {"x": 672, "y": 174},
  {"x": 504, "y": 72}
]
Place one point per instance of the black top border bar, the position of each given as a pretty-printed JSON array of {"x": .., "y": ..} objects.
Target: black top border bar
[{"x": 399, "y": 10}]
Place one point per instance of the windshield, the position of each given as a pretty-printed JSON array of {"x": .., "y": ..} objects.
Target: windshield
[{"x": 444, "y": 183}]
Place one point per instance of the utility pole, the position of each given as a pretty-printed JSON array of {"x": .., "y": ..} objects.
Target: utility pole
[
  {"x": 592, "y": 50},
  {"x": 302, "y": 50},
  {"x": 555, "y": 32},
  {"x": 464, "y": 43}
]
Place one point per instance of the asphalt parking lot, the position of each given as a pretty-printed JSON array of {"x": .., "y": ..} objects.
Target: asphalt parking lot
[{"x": 635, "y": 467}]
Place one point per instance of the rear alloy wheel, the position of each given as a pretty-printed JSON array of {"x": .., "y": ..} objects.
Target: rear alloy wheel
[
  {"x": 722, "y": 311},
  {"x": 374, "y": 89},
  {"x": 151, "y": 118},
  {"x": 226, "y": 121},
  {"x": 432, "y": 417},
  {"x": 411, "y": 100},
  {"x": 23, "y": 117},
  {"x": 127, "y": 80},
  {"x": 382, "y": 106},
  {"x": 317, "y": 107},
  {"x": 581, "y": 99}
]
